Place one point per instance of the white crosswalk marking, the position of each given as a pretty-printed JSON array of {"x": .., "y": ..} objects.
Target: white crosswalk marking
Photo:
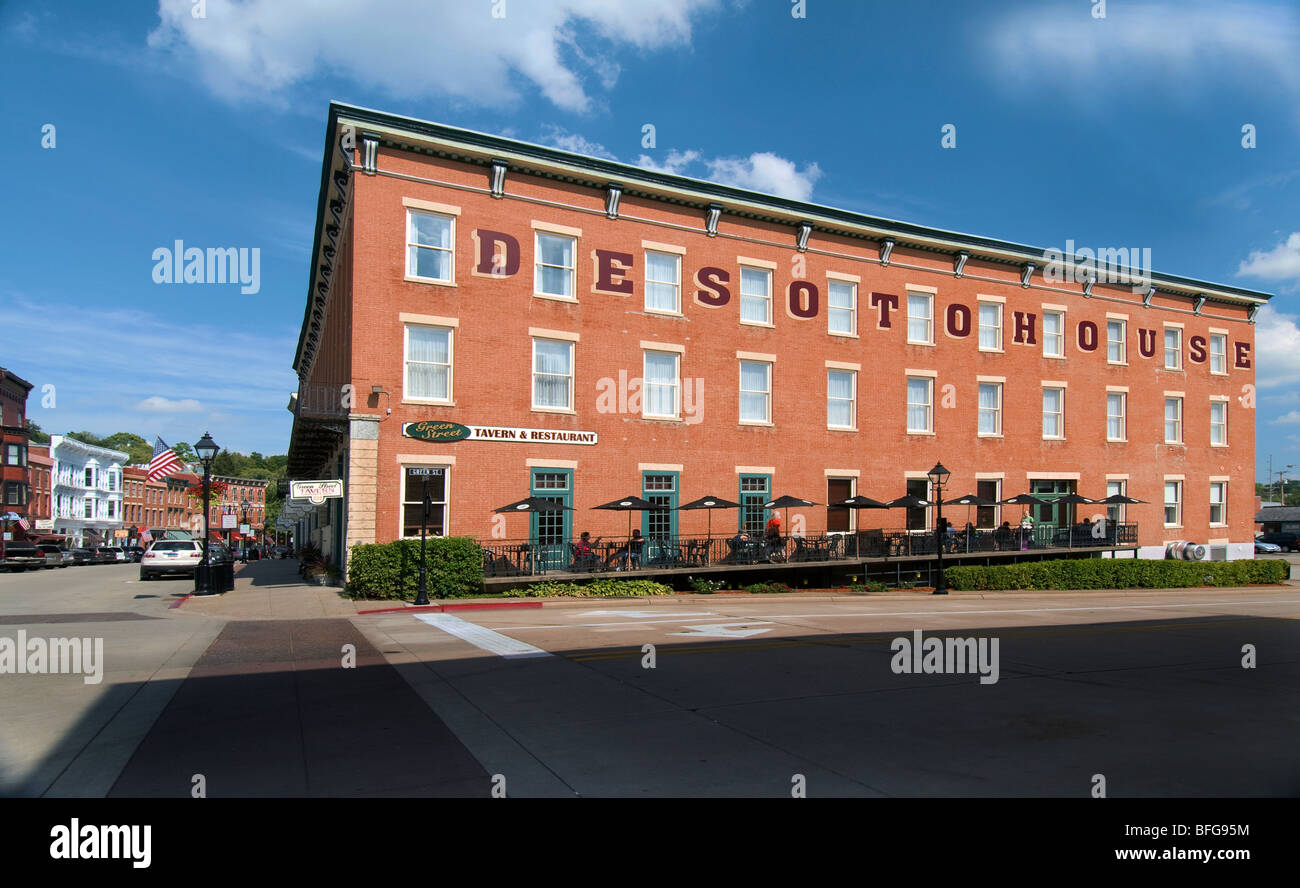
[{"x": 492, "y": 642}]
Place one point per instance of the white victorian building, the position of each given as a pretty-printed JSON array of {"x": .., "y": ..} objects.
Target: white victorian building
[{"x": 86, "y": 491}]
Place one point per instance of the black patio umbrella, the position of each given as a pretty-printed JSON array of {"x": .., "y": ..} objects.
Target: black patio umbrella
[
  {"x": 709, "y": 503},
  {"x": 911, "y": 501},
  {"x": 1024, "y": 499},
  {"x": 1119, "y": 499},
  {"x": 534, "y": 504},
  {"x": 969, "y": 500},
  {"x": 785, "y": 502},
  {"x": 859, "y": 502},
  {"x": 1075, "y": 500},
  {"x": 631, "y": 504}
]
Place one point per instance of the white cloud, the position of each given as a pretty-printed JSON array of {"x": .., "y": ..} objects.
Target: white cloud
[
  {"x": 558, "y": 137},
  {"x": 1277, "y": 342},
  {"x": 1292, "y": 418},
  {"x": 157, "y": 404},
  {"x": 1183, "y": 45},
  {"x": 1282, "y": 263},
  {"x": 766, "y": 172},
  {"x": 259, "y": 49},
  {"x": 675, "y": 163}
]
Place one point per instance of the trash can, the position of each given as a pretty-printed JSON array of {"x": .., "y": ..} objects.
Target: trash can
[{"x": 227, "y": 569}]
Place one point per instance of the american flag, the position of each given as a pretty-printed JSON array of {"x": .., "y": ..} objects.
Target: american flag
[
  {"x": 164, "y": 462},
  {"x": 22, "y": 522}
]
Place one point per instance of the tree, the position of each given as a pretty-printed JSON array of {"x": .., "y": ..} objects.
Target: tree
[
  {"x": 138, "y": 450},
  {"x": 35, "y": 434},
  {"x": 185, "y": 452}
]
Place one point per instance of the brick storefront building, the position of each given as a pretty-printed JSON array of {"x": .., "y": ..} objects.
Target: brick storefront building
[
  {"x": 598, "y": 330},
  {"x": 15, "y": 486},
  {"x": 40, "y": 469}
]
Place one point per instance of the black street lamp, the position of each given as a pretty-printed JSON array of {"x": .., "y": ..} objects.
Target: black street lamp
[
  {"x": 939, "y": 477},
  {"x": 242, "y": 524},
  {"x": 206, "y": 449}
]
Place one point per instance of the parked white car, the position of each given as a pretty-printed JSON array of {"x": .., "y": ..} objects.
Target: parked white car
[{"x": 170, "y": 557}]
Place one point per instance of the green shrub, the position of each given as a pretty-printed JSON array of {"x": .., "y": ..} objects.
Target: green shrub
[
  {"x": 765, "y": 588},
  {"x": 867, "y": 587},
  {"x": 706, "y": 587},
  {"x": 595, "y": 589},
  {"x": 1116, "y": 573},
  {"x": 454, "y": 569}
]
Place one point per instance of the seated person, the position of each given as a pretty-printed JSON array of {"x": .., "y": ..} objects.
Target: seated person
[
  {"x": 630, "y": 555},
  {"x": 584, "y": 556}
]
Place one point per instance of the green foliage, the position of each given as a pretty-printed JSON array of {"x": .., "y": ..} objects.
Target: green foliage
[
  {"x": 706, "y": 587},
  {"x": 138, "y": 450},
  {"x": 454, "y": 569},
  {"x": 1116, "y": 573},
  {"x": 867, "y": 587},
  {"x": 35, "y": 435},
  {"x": 765, "y": 588},
  {"x": 595, "y": 589}
]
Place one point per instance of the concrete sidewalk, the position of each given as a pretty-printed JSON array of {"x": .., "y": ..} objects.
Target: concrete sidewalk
[{"x": 271, "y": 589}]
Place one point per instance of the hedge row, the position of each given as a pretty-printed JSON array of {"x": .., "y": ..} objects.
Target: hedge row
[
  {"x": 392, "y": 570},
  {"x": 1116, "y": 573},
  {"x": 595, "y": 589}
]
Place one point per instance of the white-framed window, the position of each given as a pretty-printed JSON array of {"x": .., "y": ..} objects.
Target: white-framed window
[
  {"x": 990, "y": 326},
  {"x": 428, "y": 363},
  {"x": 1219, "y": 354},
  {"x": 1219, "y": 422},
  {"x": 1218, "y": 502},
  {"x": 841, "y": 399},
  {"x": 417, "y": 481},
  {"x": 842, "y": 307},
  {"x": 552, "y": 374},
  {"x": 89, "y": 508},
  {"x": 556, "y": 265},
  {"x": 1054, "y": 334},
  {"x": 1115, "y": 511},
  {"x": 112, "y": 509},
  {"x": 1173, "y": 420},
  {"x": 920, "y": 318},
  {"x": 920, "y": 404},
  {"x": 1116, "y": 416},
  {"x": 1173, "y": 504},
  {"x": 662, "y": 384},
  {"x": 990, "y": 408},
  {"x": 755, "y": 295},
  {"x": 430, "y": 246},
  {"x": 1173, "y": 348},
  {"x": 1053, "y": 412},
  {"x": 755, "y": 391},
  {"x": 1116, "y": 346},
  {"x": 663, "y": 282}
]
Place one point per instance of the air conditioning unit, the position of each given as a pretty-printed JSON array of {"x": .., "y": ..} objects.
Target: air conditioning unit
[{"x": 1186, "y": 551}]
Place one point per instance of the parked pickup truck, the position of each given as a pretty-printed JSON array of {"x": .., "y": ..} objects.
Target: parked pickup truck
[{"x": 18, "y": 555}]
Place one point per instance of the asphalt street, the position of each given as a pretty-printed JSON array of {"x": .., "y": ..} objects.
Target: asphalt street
[{"x": 279, "y": 689}]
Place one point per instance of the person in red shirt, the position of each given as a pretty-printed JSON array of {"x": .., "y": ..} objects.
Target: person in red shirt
[{"x": 773, "y": 533}]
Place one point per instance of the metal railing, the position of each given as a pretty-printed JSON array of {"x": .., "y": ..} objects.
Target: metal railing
[{"x": 515, "y": 558}]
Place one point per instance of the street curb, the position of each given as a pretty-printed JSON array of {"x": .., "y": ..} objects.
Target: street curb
[{"x": 671, "y": 600}]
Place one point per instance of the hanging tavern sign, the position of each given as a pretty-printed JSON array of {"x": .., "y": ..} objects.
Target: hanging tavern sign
[
  {"x": 316, "y": 492},
  {"x": 452, "y": 431}
]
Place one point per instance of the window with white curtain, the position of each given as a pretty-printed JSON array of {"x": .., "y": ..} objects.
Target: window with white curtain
[
  {"x": 990, "y": 408},
  {"x": 1173, "y": 348},
  {"x": 1218, "y": 502},
  {"x": 659, "y": 397},
  {"x": 1219, "y": 422},
  {"x": 555, "y": 266},
  {"x": 1054, "y": 334},
  {"x": 1116, "y": 408},
  {"x": 1053, "y": 412},
  {"x": 1116, "y": 350},
  {"x": 755, "y": 391},
  {"x": 1173, "y": 503},
  {"x": 990, "y": 326},
  {"x": 841, "y": 307},
  {"x": 428, "y": 363},
  {"x": 841, "y": 395},
  {"x": 553, "y": 374},
  {"x": 1173, "y": 420},
  {"x": 1218, "y": 353},
  {"x": 920, "y": 404},
  {"x": 755, "y": 295},
  {"x": 920, "y": 318},
  {"x": 663, "y": 280}
]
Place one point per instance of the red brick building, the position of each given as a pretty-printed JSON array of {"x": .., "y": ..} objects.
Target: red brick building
[
  {"x": 15, "y": 486},
  {"x": 509, "y": 320},
  {"x": 40, "y": 468}
]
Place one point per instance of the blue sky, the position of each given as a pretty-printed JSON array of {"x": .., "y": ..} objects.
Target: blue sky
[{"x": 1122, "y": 130}]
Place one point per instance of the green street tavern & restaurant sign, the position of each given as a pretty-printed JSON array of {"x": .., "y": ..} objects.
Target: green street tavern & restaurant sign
[{"x": 454, "y": 431}]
